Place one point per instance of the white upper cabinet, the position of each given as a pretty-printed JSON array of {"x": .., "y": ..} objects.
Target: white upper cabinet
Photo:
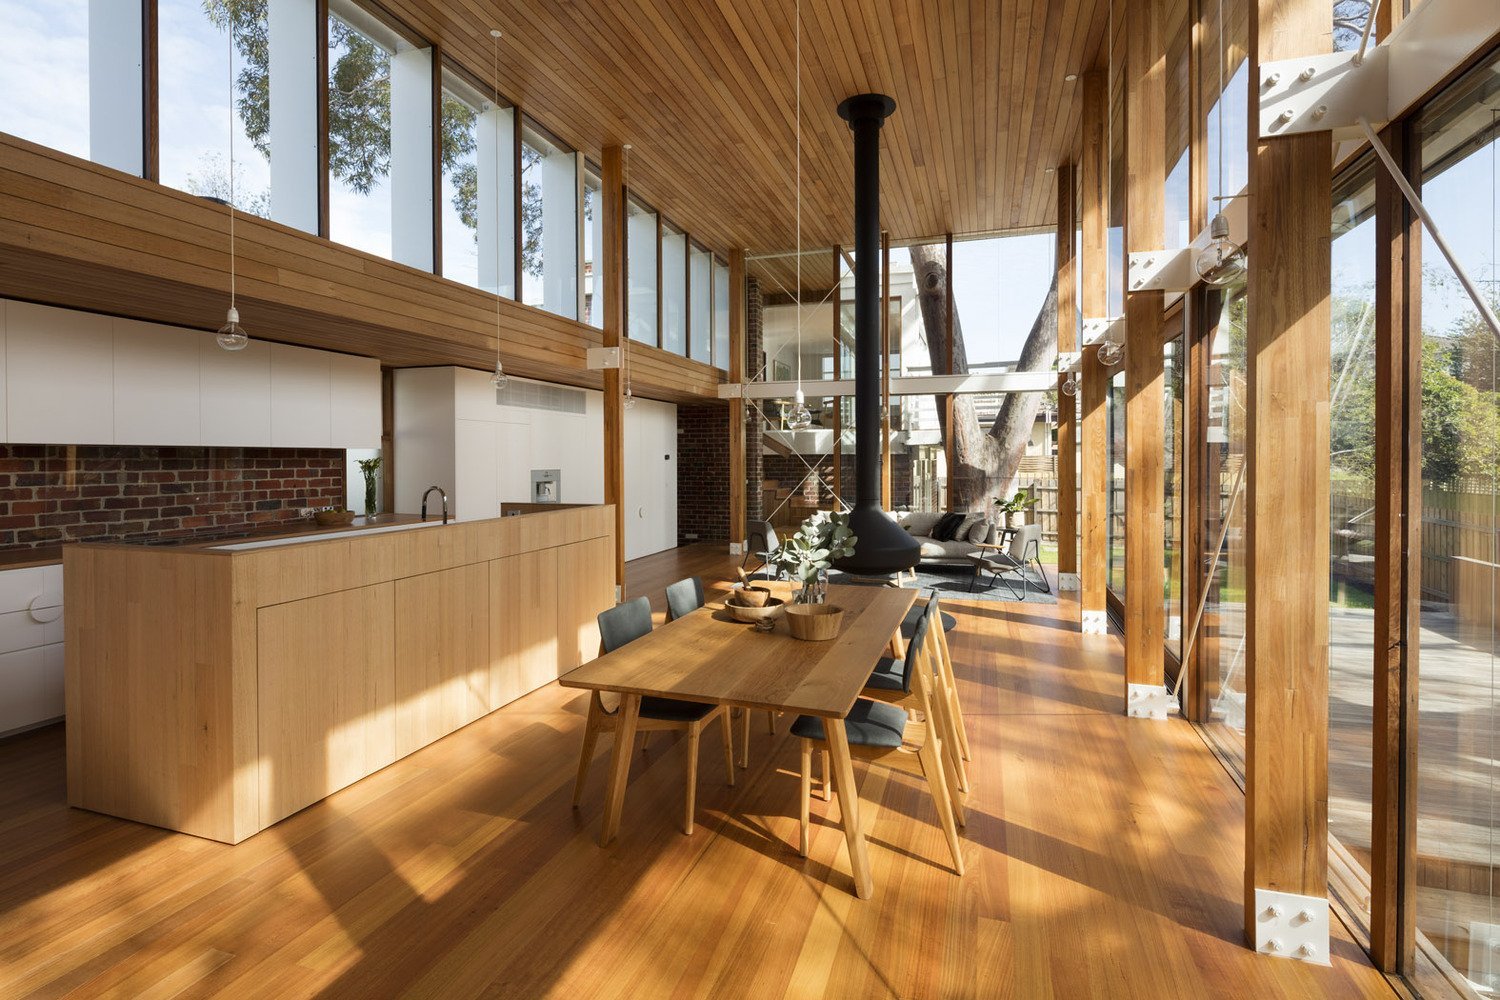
[
  {"x": 354, "y": 401},
  {"x": 69, "y": 377},
  {"x": 236, "y": 394},
  {"x": 157, "y": 384},
  {"x": 59, "y": 376},
  {"x": 301, "y": 411}
]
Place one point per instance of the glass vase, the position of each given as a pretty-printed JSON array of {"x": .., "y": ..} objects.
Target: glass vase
[
  {"x": 369, "y": 495},
  {"x": 814, "y": 591}
]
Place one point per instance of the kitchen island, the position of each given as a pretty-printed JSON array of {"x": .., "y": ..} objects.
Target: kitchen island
[{"x": 216, "y": 689}]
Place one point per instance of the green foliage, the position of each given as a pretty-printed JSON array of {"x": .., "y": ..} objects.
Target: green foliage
[
  {"x": 369, "y": 466},
  {"x": 1023, "y": 500},
  {"x": 823, "y": 538}
]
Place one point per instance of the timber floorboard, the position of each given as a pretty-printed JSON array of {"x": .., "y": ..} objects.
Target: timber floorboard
[{"x": 1104, "y": 859}]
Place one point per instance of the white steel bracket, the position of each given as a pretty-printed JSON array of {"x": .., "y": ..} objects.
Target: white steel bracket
[
  {"x": 1162, "y": 270},
  {"x": 1095, "y": 623},
  {"x": 731, "y": 390},
  {"x": 1291, "y": 926},
  {"x": 1331, "y": 92},
  {"x": 601, "y": 358},
  {"x": 1069, "y": 361},
  {"x": 1069, "y": 583},
  {"x": 1097, "y": 330},
  {"x": 1149, "y": 701}
]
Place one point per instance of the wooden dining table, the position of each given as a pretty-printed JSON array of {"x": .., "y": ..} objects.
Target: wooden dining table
[{"x": 709, "y": 656}]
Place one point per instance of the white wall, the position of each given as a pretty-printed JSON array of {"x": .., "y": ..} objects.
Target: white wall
[
  {"x": 650, "y": 478},
  {"x": 70, "y": 377},
  {"x": 452, "y": 431}
]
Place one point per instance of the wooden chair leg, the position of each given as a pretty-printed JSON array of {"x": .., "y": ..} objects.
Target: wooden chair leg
[
  {"x": 645, "y": 738},
  {"x": 693, "y": 734},
  {"x": 950, "y": 691},
  {"x": 771, "y": 722},
  {"x": 806, "y": 794},
  {"x": 744, "y": 737},
  {"x": 728, "y": 745},
  {"x": 932, "y": 770},
  {"x": 947, "y": 729},
  {"x": 590, "y": 738},
  {"x": 827, "y": 778}
]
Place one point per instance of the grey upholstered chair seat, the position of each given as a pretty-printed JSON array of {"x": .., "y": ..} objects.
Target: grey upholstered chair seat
[
  {"x": 868, "y": 724},
  {"x": 887, "y": 675},
  {"x": 672, "y": 710}
]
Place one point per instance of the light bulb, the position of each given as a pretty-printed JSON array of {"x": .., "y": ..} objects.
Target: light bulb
[
  {"x": 232, "y": 336},
  {"x": 498, "y": 378},
  {"x": 1111, "y": 353},
  {"x": 1223, "y": 260},
  {"x": 800, "y": 419},
  {"x": 1070, "y": 387},
  {"x": 629, "y": 399}
]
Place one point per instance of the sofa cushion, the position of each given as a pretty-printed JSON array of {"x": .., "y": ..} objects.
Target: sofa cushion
[
  {"x": 947, "y": 527},
  {"x": 954, "y": 551},
  {"x": 919, "y": 522},
  {"x": 979, "y": 531}
]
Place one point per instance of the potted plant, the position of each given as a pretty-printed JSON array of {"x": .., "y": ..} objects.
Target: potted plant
[
  {"x": 1013, "y": 511},
  {"x": 807, "y": 555},
  {"x": 369, "y": 466}
]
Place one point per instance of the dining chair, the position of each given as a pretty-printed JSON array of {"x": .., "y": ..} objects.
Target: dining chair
[
  {"x": 891, "y": 682},
  {"x": 948, "y": 682},
  {"x": 760, "y": 541},
  {"x": 886, "y": 735},
  {"x": 619, "y": 626},
  {"x": 683, "y": 598}
]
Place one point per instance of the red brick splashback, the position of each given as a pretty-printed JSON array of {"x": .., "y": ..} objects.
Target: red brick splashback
[{"x": 59, "y": 493}]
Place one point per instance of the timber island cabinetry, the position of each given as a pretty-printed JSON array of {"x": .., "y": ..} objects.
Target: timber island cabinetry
[{"x": 217, "y": 690}]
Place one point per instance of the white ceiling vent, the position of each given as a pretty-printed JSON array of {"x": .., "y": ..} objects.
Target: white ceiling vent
[{"x": 542, "y": 396}]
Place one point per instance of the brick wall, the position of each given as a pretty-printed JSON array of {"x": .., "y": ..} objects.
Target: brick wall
[
  {"x": 57, "y": 493},
  {"x": 702, "y": 474}
]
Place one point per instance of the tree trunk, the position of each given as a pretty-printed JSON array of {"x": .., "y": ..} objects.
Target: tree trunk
[{"x": 986, "y": 461}]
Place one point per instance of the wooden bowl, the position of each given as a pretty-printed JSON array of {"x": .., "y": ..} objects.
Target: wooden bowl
[
  {"x": 774, "y": 608},
  {"x": 815, "y": 622},
  {"x": 334, "y": 518},
  {"x": 750, "y": 597}
]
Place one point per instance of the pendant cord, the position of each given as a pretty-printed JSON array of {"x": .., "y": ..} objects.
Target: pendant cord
[
  {"x": 495, "y": 80},
  {"x": 1220, "y": 205},
  {"x": 625, "y": 208},
  {"x": 799, "y": 194},
  {"x": 230, "y": 12}
]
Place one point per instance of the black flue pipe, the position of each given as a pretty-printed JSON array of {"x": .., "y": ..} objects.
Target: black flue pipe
[{"x": 882, "y": 547}]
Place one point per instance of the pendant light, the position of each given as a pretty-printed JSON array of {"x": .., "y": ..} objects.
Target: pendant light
[
  {"x": 498, "y": 378},
  {"x": 1070, "y": 387},
  {"x": 231, "y": 336},
  {"x": 629, "y": 403},
  {"x": 1223, "y": 260},
  {"x": 800, "y": 417},
  {"x": 1111, "y": 352}
]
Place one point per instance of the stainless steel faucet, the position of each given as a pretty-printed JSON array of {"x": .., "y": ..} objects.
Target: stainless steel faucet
[{"x": 442, "y": 493}]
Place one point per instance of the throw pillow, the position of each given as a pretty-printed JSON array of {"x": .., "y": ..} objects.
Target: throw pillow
[
  {"x": 947, "y": 525},
  {"x": 980, "y": 532}
]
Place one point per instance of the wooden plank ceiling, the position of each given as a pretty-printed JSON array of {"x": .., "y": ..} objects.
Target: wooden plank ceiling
[{"x": 704, "y": 92}]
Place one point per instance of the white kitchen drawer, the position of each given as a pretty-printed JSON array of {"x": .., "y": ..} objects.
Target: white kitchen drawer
[
  {"x": 39, "y": 585},
  {"x": 31, "y": 687}
]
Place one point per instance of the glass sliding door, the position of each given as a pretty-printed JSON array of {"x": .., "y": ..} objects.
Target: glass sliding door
[
  {"x": 1222, "y": 632},
  {"x": 1351, "y": 513},
  {"x": 1174, "y": 360},
  {"x": 1115, "y": 409},
  {"x": 1458, "y": 730}
]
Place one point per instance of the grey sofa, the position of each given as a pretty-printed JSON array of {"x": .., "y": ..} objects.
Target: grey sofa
[{"x": 919, "y": 524}]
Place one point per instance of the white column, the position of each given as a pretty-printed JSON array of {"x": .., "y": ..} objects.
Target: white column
[
  {"x": 560, "y": 233},
  {"x": 292, "y": 27},
  {"x": 497, "y": 180},
  {"x": 411, "y": 157},
  {"x": 116, "y": 83}
]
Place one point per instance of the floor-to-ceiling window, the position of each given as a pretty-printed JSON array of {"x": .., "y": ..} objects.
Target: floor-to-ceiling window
[
  {"x": 1115, "y": 410},
  {"x": 1458, "y": 730},
  {"x": 360, "y": 48},
  {"x": 700, "y": 304},
  {"x": 641, "y": 238},
  {"x": 44, "y": 73},
  {"x": 673, "y": 289},
  {"x": 1222, "y": 632},
  {"x": 194, "y": 101},
  {"x": 593, "y": 248},
  {"x": 463, "y": 106},
  {"x": 549, "y": 223},
  {"x": 1173, "y": 402},
  {"x": 1351, "y": 513},
  {"x": 721, "y": 314}
]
